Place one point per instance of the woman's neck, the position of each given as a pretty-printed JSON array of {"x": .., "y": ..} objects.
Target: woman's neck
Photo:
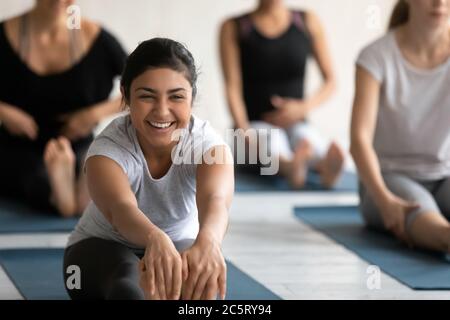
[
  {"x": 275, "y": 10},
  {"x": 158, "y": 154},
  {"x": 45, "y": 21},
  {"x": 427, "y": 42}
]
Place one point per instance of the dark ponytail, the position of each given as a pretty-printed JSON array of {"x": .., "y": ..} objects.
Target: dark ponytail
[{"x": 400, "y": 14}]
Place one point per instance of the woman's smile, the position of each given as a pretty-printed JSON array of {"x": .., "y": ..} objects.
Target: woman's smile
[{"x": 161, "y": 126}]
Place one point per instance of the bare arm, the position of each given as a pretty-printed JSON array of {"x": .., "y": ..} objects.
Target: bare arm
[
  {"x": 81, "y": 123},
  {"x": 106, "y": 108},
  {"x": 18, "y": 122},
  {"x": 204, "y": 267},
  {"x": 364, "y": 115},
  {"x": 110, "y": 190},
  {"x": 321, "y": 54},
  {"x": 231, "y": 66},
  {"x": 215, "y": 187},
  {"x": 393, "y": 209}
]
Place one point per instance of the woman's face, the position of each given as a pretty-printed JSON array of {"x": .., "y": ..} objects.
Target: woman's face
[
  {"x": 160, "y": 102},
  {"x": 433, "y": 13}
]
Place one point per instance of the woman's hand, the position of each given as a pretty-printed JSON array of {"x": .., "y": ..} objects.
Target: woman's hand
[
  {"x": 289, "y": 111},
  {"x": 79, "y": 124},
  {"x": 204, "y": 270},
  {"x": 17, "y": 122},
  {"x": 161, "y": 269},
  {"x": 394, "y": 211}
]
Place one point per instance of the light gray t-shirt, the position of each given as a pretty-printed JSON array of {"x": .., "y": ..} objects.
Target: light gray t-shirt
[
  {"x": 413, "y": 126},
  {"x": 169, "y": 202}
]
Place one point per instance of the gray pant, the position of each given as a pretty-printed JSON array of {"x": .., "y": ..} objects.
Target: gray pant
[{"x": 432, "y": 196}]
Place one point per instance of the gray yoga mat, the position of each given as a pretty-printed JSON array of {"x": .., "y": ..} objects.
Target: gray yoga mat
[{"x": 420, "y": 270}]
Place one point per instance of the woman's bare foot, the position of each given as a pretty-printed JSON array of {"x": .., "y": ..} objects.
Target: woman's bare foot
[
  {"x": 330, "y": 168},
  {"x": 303, "y": 153},
  {"x": 59, "y": 161}
]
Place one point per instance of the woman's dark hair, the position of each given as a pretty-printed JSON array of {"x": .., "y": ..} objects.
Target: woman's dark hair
[
  {"x": 158, "y": 53},
  {"x": 400, "y": 14}
]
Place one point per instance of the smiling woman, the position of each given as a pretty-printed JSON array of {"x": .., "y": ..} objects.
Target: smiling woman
[{"x": 167, "y": 218}]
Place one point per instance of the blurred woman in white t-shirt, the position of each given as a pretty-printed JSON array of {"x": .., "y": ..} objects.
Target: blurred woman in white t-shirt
[{"x": 400, "y": 133}]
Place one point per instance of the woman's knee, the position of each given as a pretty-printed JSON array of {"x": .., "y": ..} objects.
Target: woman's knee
[
  {"x": 124, "y": 288},
  {"x": 369, "y": 210},
  {"x": 371, "y": 216},
  {"x": 443, "y": 197}
]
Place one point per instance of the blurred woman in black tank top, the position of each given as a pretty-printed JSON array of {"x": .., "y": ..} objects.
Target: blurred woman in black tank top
[
  {"x": 264, "y": 55},
  {"x": 54, "y": 89}
]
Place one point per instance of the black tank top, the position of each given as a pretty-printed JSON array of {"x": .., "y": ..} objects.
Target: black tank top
[
  {"x": 272, "y": 66},
  {"x": 47, "y": 97}
]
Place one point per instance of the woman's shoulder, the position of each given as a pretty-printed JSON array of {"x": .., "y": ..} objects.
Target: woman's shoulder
[
  {"x": 12, "y": 22},
  {"x": 205, "y": 132},
  {"x": 117, "y": 126},
  {"x": 119, "y": 132},
  {"x": 10, "y": 29},
  {"x": 116, "y": 142},
  {"x": 377, "y": 56},
  {"x": 90, "y": 30},
  {"x": 198, "y": 125},
  {"x": 311, "y": 21},
  {"x": 381, "y": 44},
  {"x": 237, "y": 22},
  {"x": 232, "y": 23},
  {"x": 93, "y": 32}
]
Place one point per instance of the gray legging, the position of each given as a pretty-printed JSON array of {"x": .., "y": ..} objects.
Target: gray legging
[
  {"x": 433, "y": 196},
  {"x": 108, "y": 269}
]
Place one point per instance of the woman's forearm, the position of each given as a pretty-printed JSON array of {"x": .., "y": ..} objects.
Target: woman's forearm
[
  {"x": 106, "y": 108},
  {"x": 214, "y": 219},
  {"x": 131, "y": 223},
  {"x": 321, "y": 95},
  {"x": 238, "y": 110},
  {"x": 369, "y": 170},
  {"x": 3, "y": 106}
]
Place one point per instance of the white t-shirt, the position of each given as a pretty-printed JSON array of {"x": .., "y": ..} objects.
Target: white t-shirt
[
  {"x": 413, "y": 125},
  {"x": 169, "y": 202}
]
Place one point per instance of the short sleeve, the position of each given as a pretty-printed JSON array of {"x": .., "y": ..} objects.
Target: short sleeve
[
  {"x": 194, "y": 145},
  {"x": 105, "y": 146},
  {"x": 211, "y": 138},
  {"x": 371, "y": 59},
  {"x": 116, "y": 54},
  {"x": 196, "y": 142}
]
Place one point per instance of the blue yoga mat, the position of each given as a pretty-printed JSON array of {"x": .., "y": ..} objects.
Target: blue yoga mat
[
  {"x": 420, "y": 270},
  {"x": 253, "y": 182},
  {"x": 19, "y": 218},
  {"x": 38, "y": 275}
]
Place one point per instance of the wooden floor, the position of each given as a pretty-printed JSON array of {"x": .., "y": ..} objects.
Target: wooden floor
[{"x": 268, "y": 243}]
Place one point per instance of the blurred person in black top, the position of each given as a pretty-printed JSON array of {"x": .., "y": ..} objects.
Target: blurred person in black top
[
  {"x": 264, "y": 55},
  {"x": 55, "y": 85}
]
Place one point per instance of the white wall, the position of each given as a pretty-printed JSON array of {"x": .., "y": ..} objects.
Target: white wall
[{"x": 196, "y": 23}]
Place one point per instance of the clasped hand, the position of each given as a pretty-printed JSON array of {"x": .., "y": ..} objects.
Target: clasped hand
[{"x": 199, "y": 273}]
